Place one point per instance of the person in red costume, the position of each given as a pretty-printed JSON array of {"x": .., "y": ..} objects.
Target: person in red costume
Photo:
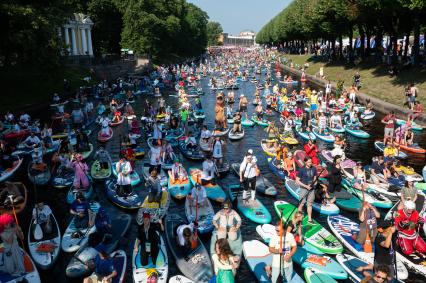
[
  {"x": 311, "y": 150},
  {"x": 407, "y": 222}
]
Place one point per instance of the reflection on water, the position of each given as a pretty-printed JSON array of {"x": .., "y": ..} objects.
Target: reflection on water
[{"x": 358, "y": 149}]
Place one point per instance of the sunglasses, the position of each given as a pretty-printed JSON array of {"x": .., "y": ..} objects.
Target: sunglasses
[{"x": 380, "y": 277}]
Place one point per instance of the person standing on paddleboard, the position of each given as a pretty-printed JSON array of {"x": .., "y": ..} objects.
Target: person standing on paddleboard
[
  {"x": 306, "y": 180},
  {"x": 248, "y": 173}
]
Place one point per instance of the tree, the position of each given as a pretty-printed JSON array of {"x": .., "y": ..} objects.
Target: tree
[
  {"x": 107, "y": 26},
  {"x": 214, "y": 30}
]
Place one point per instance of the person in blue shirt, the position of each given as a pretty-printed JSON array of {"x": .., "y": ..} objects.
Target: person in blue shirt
[
  {"x": 104, "y": 268},
  {"x": 80, "y": 208},
  {"x": 103, "y": 222},
  {"x": 306, "y": 180}
]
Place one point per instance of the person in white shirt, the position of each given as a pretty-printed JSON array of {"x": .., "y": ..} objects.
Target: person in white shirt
[
  {"x": 322, "y": 123},
  {"x": 336, "y": 121},
  {"x": 198, "y": 196},
  {"x": 209, "y": 170},
  {"x": 206, "y": 134},
  {"x": 224, "y": 261},
  {"x": 177, "y": 173},
  {"x": 190, "y": 141},
  {"x": 155, "y": 157},
  {"x": 185, "y": 236},
  {"x": 104, "y": 122},
  {"x": 227, "y": 222},
  {"x": 282, "y": 248},
  {"x": 124, "y": 181},
  {"x": 157, "y": 132},
  {"x": 32, "y": 141},
  {"x": 42, "y": 213},
  {"x": 248, "y": 173},
  {"x": 217, "y": 147},
  {"x": 24, "y": 118}
]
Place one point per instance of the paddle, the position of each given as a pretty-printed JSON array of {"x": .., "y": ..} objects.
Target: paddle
[
  {"x": 38, "y": 232},
  {"x": 16, "y": 218},
  {"x": 194, "y": 238}
]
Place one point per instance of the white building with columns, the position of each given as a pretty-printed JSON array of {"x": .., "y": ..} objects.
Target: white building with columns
[{"x": 77, "y": 35}]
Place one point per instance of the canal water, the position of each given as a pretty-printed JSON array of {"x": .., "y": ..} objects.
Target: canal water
[{"x": 358, "y": 149}]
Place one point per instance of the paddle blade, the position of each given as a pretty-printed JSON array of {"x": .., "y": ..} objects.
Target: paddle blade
[{"x": 38, "y": 232}]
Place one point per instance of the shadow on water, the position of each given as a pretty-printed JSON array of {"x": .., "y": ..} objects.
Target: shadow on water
[{"x": 358, "y": 150}]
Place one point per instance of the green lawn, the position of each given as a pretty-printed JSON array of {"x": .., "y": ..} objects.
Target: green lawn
[
  {"x": 375, "y": 79},
  {"x": 25, "y": 87}
]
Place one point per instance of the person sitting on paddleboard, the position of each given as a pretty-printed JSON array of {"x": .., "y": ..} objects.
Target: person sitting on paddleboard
[
  {"x": 177, "y": 173},
  {"x": 80, "y": 208},
  {"x": 13, "y": 257},
  {"x": 190, "y": 141},
  {"x": 32, "y": 141},
  {"x": 227, "y": 222},
  {"x": 248, "y": 174},
  {"x": 148, "y": 239},
  {"x": 104, "y": 268},
  {"x": 311, "y": 150},
  {"x": 186, "y": 237},
  {"x": 408, "y": 192},
  {"x": 154, "y": 185},
  {"x": 42, "y": 214},
  {"x": 206, "y": 135},
  {"x": 322, "y": 196},
  {"x": 295, "y": 227},
  {"x": 225, "y": 262},
  {"x": 360, "y": 180}
]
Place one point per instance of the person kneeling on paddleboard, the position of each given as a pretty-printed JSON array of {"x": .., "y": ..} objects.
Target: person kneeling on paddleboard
[
  {"x": 155, "y": 188},
  {"x": 407, "y": 222},
  {"x": 148, "y": 239},
  {"x": 227, "y": 222},
  {"x": 104, "y": 268},
  {"x": 186, "y": 237},
  {"x": 80, "y": 208}
]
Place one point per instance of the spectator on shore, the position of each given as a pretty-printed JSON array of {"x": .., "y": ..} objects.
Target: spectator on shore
[
  {"x": 357, "y": 80},
  {"x": 413, "y": 95},
  {"x": 417, "y": 110}
]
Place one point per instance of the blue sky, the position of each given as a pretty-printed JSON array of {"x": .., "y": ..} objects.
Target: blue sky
[{"x": 238, "y": 15}]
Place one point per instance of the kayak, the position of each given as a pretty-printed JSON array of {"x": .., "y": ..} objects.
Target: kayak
[
  {"x": 314, "y": 233},
  {"x": 72, "y": 192},
  {"x": 272, "y": 164},
  {"x": 313, "y": 276},
  {"x": 30, "y": 275},
  {"x": 9, "y": 172},
  {"x": 263, "y": 122},
  {"x": 357, "y": 132},
  {"x": 17, "y": 135},
  {"x": 131, "y": 201},
  {"x": 270, "y": 151},
  {"x": 350, "y": 263},
  {"x": 179, "y": 189},
  {"x": 258, "y": 257},
  {"x": 214, "y": 192},
  {"x": 253, "y": 210},
  {"x": 305, "y": 135},
  {"x": 195, "y": 265},
  {"x": 72, "y": 241},
  {"x": 155, "y": 209},
  {"x": 235, "y": 245},
  {"x": 327, "y": 209},
  {"x": 414, "y": 125},
  {"x": 370, "y": 196},
  {"x": 160, "y": 267},
  {"x": 202, "y": 214},
  {"x": 326, "y": 137},
  {"x": 267, "y": 231},
  {"x": 161, "y": 175},
  {"x": 99, "y": 173},
  {"x": 263, "y": 185},
  {"x": 192, "y": 154},
  {"x": 380, "y": 146},
  {"x": 63, "y": 177},
  {"x": 134, "y": 176},
  {"x": 235, "y": 136},
  {"x": 344, "y": 228},
  {"x": 105, "y": 138},
  {"x": 38, "y": 174},
  {"x": 77, "y": 268},
  {"x": 247, "y": 123},
  {"x": 44, "y": 251}
]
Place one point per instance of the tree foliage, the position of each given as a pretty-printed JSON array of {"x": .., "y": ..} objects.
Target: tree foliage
[
  {"x": 165, "y": 30},
  {"x": 214, "y": 30}
]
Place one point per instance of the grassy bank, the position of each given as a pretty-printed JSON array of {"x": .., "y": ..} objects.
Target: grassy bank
[
  {"x": 375, "y": 78},
  {"x": 25, "y": 87}
]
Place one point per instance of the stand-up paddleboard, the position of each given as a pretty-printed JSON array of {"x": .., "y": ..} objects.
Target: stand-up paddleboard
[
  {"x": 263, "y": 185},
  {"x": 213, "y": 191},
  {"x": 134, "y": 176},
  {"x": 194, "y": 264},
  {"x": 253, "y": 210},
  {"x": 313, "y": 276},
  {"x": 131, "y": 201},
  {"x": 314, "y": 233},
  {"x": 141, "y": 273},
  {"x": 204, "y": 215}
]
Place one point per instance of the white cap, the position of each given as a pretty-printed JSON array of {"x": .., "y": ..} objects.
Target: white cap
[
  {"x": 241, "y": 95},
  {"x": 250, "y": 151},
  {"x": 408, "y": 204}
]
